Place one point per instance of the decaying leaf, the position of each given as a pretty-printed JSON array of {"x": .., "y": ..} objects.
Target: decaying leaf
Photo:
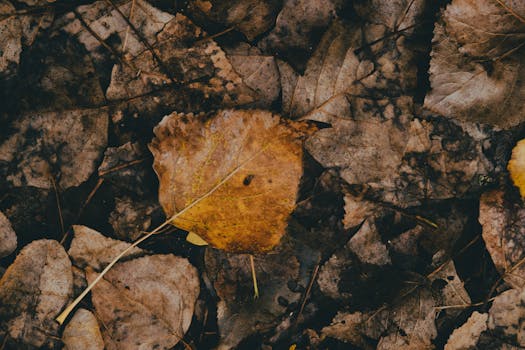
[
  {"x": 17, "y": 30},
  {"x": 507, "y": 315},
  {"x": 407, "y": 323},
  {"x": 83, "y": 332},
  {"x": 466, "y": 337},
  {"x": 503, "y": 222},
  {"x": 251, "y": 17},
  {"x": 90, "y": 248},
  {"x": 476, "y": 70},
  {"x": 233, "y": 177},
  {"x": 33, "y": 290},
  {"x": 147, "y": 301},
  {"x": 239, "y": 314},
  {"x": 516, "y": 167},
  {"x": 54, "y": 145},
  {"x": 297, "y": 28},
  {"x": 259, "y": 72},
  {"x": 399, "y": 158},
  {"x": 7, "y": 237},
  {"x": 131, "y": 218}
]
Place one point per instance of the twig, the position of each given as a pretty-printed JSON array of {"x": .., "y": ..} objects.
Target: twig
[
  {"x": 59, "y": 208},
  {"x": 308, "y": 290},
  {"x": 254, "y": 278},
  {"x": 121, "y": 166}
]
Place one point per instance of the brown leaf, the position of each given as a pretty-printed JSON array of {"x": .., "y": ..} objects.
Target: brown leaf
[
  {"x": 7, "y": 237},
  {"x": 507, "y": 315},
  {"x": 503, "y": 224},
  {"x": 61, "y": 145},
  {"x": 475, "y": 71},
  {"x": 90, "y": 248},
  {"x": 467, "y": 335},
  {"x": 297, "y": 27},
  {"x": 379, "y": 144},
  {"x": 16, "y": 31},
  {"x": 147, "y": 301},
  {"x": 251, "y": 17},
  {"x": 82, "y": 332},
  {"x": 131, "y": 217},
  {"x": 239, "y": 313},
  {"x": 233, "y": 177},
  {"x": 33, "y": 290}
]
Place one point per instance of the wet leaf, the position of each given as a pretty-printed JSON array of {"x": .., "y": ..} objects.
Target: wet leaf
[
  {"x": 148, "y": 301},
  {"x": 476, "y": 74},
  {"x": 82, "y": 332},
  {"x": 33, "y": 290},
  {"x": 516, "y": 167},
  {"x": 233, "y": 176},
  {"x": 506, "y": 317}
]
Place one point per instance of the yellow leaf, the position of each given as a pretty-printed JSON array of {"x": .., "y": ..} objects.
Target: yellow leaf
[
  {"x": 232, "y": 178},
  {"x": 516, "y": 166},
  {"x": 195, "y": 239}
]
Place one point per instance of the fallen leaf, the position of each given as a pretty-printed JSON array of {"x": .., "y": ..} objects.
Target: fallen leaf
[
  {"x": 475, "y": 73},
  {"x": 17, "y": 31},
  {"x": 239, "y": 313},
  {"x": 380, "y": 145},
  {"x": 258, "y": 71},
  {"x": 131, "y": 218},
  {"x": 250, "y": 17},
  {"x": 90, "y": 248},
  {"x": 366, "y": 244},
  {"x": 297, "y": 26},
  {"x": 506, "y": 317},
  {"x": 147, "y": 301},
  {"x": 82, "y": 332},
  {"x": 195, "y": 239},
  {"x": 33, "y": 290},
  {"x": 467, "y": 335},
  {"x": 236, "y": 195},
  {"x": 516, "y": 166},
  {"x": 503, "y": 224},
  {"x": 7, "y": 237},
  {"x": 61, "y": 145}
]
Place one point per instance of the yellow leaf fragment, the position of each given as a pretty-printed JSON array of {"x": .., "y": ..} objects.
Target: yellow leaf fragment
[
  {"x": 516, "y": 166},
  {"x": 235, "y": 174},
  {"x": 195, "y": 239}
]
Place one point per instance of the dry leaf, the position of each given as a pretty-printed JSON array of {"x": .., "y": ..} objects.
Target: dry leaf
[
  {"x": 33, "y": 290},
  {"x": 7, "y": 237},
  {"x": 476, "y": 74},
  {"x": 516, "y": 167},
  {"x": 259, "y": 72},
  {"x": 131, "y": 218},
  {"x": 398, "y": 158},
  {"x": 296, "y": 28},
  {"x": 239, "y": 314},
  {"x": 147, "y": 301},
  {"x": 61, "y": 145},
  {"x": 17, "y": 31},
  {"x": 251, "y": 17},
  {"x": 466, "y": 336},
  {"x": 90, "y": 248},
  {"x": 507, "y": 315},
  {"x": 82, "y": 332},
  {"x": 503, "y": 224},
  {"x": 236, "y": 172},
  {"x": 367, "y": 245}
]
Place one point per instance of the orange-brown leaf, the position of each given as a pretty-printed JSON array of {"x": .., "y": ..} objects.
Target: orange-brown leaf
[{"x": 235, "y": 175}]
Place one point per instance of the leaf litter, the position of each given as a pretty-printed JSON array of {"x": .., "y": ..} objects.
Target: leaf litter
[{"x": 393, "y": 223}]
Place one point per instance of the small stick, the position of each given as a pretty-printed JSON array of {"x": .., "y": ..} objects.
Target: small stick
[
  {"x": 59, "y": 207},
  {"x": 254, "y": 277},
  {"x": 308, "y": 290}
]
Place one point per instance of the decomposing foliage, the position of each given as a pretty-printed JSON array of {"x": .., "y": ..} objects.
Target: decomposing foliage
[{"x": 341, "y": 169}]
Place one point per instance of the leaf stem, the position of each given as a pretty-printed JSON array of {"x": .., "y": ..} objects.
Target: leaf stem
[{"x": 254, "y": 277}]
